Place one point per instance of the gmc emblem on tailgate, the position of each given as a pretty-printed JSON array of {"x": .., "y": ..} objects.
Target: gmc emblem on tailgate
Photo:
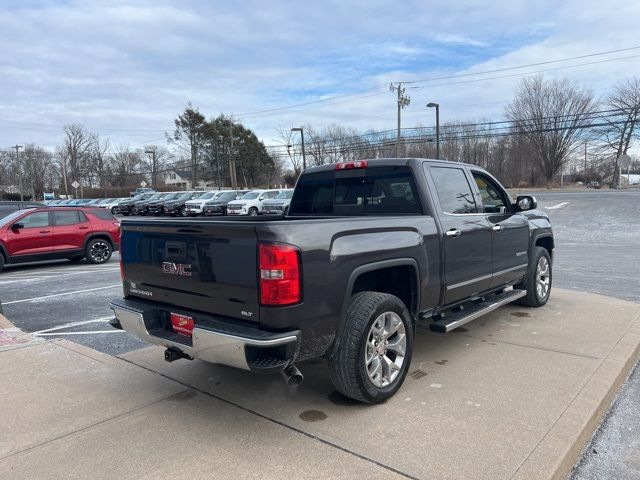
[{"x": 176, "y": 268}]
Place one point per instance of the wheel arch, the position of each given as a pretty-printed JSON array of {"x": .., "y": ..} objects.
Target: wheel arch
[
  {"x": 360, "y": 280},
  {"x": 96, "y": 235}
]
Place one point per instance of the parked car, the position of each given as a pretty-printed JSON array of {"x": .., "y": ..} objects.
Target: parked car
[
  {"x": 218, "y": 205},
  {"x": 138, "y": 191},
  {"x": 53, "y": 233},
  {"x": 278, "y": 205},
  {"x": 367, "y": 250},
  {"x": 593, "y": 184},
  {"x": 141, "y": 207},
  {"x": 195, "y": 206},
  {"x": 177, "y": 206},
  {"x": 156, "y": 207},
  {"x": 7, "y": 207},
  {"x": 125, "y": 207},
  {"x": 250, "y": 203},
  {"x": 111, "y": 204}
]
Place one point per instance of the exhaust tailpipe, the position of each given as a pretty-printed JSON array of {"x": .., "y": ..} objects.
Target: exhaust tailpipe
[{"x": 292, "y": 376}]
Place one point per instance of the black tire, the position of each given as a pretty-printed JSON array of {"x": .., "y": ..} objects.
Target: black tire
[
  {"x": 534, "y": 297},
  {"x": 253, "y": 212},
  {"x": 2, "y": 261},
  {"x": 114, "y": 210},
  {"x": 98, "y": 250},
  {"x": 347, "y": 363},
  {"x": 183, "y": 211}
]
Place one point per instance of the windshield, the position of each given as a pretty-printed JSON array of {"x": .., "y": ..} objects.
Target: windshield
[
  {"x": 197, "y": 195},
  {"x": 185, "y": 196},
  {"x": 284, "y": 195},
  {"x": 208, "y": 195},
  {"x": 137, "y": 197},
  {"x": 251, "y": 195},
  {"x": 226, "y": 196},
  {"x": 155, "y": 196}
]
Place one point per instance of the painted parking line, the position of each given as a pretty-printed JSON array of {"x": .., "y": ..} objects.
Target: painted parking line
[
  {"x": 56, "y": 334},
  {"x": 72, "y": 324},
  {"x": 117, "y": 285},
  {"x": 32, "y": 277},
  {"x": 558, "y": 205}
]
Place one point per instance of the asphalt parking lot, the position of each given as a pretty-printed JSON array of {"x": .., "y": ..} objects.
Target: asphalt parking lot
[{"x": 596, "y": 251}]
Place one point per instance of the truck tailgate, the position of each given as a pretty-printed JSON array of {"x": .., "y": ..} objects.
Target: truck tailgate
[{"x": 209, "y": 267}]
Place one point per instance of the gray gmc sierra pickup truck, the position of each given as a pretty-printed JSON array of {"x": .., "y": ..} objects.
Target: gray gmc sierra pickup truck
[{"x": 367, "y": 249}]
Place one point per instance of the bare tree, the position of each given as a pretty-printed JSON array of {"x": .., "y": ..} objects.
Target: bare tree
[
  {"x": 75, "y": 152},
  {"x": 290, "y": 141},
  {"x": 100, "y": 160},
  {"x": 551, "y": 114},
  {"x": 622, "y": 109},
  {"x": 35, "y": 165}
]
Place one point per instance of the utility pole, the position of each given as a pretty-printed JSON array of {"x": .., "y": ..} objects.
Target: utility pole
[
  {"x": 585, "y": 163},
  {"x": 19, "y": 167},
  {"x": 232, "y": 161},
  {"x": 437, "y": 107},
  {"x": 403, "y": 101}
]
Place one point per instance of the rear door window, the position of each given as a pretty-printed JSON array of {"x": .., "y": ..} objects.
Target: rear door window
[
  {"x": 369, "y": 191},
  {"x": 454, "y": 191},
  {"x": 67, "y": 217}
]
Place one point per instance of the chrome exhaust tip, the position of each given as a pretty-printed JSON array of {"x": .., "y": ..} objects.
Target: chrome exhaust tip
[{"x": 292, "y": 376}]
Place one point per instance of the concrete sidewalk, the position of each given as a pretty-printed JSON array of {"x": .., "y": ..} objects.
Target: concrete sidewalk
[{"x": 516, "y": 394}]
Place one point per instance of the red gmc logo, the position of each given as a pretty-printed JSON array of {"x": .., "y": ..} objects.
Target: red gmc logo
[{"x": 176, "y": 269}]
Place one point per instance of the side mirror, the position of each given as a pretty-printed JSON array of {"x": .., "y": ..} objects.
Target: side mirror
[
  {"x": 262, "y": 197},
  {"x": 526, "y": 202},
  {"x": 17, "y": 226}
]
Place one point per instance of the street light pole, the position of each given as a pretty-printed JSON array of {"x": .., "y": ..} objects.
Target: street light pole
[
  {"x": 18, "y": 147},
  {"x": 153, "y": 167},
  {"x": 437, "y": 107},
  {"x": 304, "y": 158}
]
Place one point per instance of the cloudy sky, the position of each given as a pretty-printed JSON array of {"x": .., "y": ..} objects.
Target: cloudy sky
[{"x": 126, "y": 69}]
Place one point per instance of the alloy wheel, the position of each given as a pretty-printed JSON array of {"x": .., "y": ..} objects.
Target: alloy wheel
[{"x": 385, "y": 349}]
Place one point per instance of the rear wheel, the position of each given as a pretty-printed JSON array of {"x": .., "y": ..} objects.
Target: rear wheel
[
  {"x": 98, "y": 250},
  {"x": 1, "y": 261},
  {"x": 253, "y": 211},
  {"x": 183, "y": 211},
  {"x": 539, "y": 279},
  {"x": 372, "y": 355}
]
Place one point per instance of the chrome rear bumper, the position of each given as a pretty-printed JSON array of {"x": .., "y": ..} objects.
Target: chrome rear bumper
[{"x": 246, "y": 349}]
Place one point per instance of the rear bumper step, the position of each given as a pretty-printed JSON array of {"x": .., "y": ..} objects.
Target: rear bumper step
[
  {"x": 227, "y": 344},
  {"x": 469, "y": 313}
]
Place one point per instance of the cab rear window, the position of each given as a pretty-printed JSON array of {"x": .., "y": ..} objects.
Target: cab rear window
[{"x": 370, "y": 191}]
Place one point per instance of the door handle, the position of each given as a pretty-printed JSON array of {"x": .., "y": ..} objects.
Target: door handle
[
  {"x": 496, "y": 228},
  {"x": 83, "y": 228},
  {"x": 453, "y": 233},
  {"x": 45, "y": 231}
]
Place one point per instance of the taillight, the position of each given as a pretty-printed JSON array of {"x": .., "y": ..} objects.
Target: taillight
[
  {"x": 279, "y": 274},
  {"x": 351, "y": 165}
]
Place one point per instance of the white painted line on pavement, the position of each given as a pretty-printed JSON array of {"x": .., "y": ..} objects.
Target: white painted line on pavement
[
  {"x": 73, "y": 324},
  {"x": 559, "y": 205},
  {"x": 119, "y": 285},
  {"x": 78, "y": 333}
]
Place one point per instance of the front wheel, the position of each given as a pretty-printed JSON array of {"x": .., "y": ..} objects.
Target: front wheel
[
  {"x": 1, "y": 262},
  {"x": 253, "y": 211},
  {"x": 372, "y": 355},
  {"x": 113, "y": 210},
  {"x": 98, "y": 250},
  {"x": 538, "y": 280}
]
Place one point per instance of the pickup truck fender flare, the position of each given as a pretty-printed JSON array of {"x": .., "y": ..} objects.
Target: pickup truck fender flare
[{"x": 369, "y": 267}]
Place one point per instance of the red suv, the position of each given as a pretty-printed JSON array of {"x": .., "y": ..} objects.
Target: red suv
[{"x": 51, "y": 233}]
